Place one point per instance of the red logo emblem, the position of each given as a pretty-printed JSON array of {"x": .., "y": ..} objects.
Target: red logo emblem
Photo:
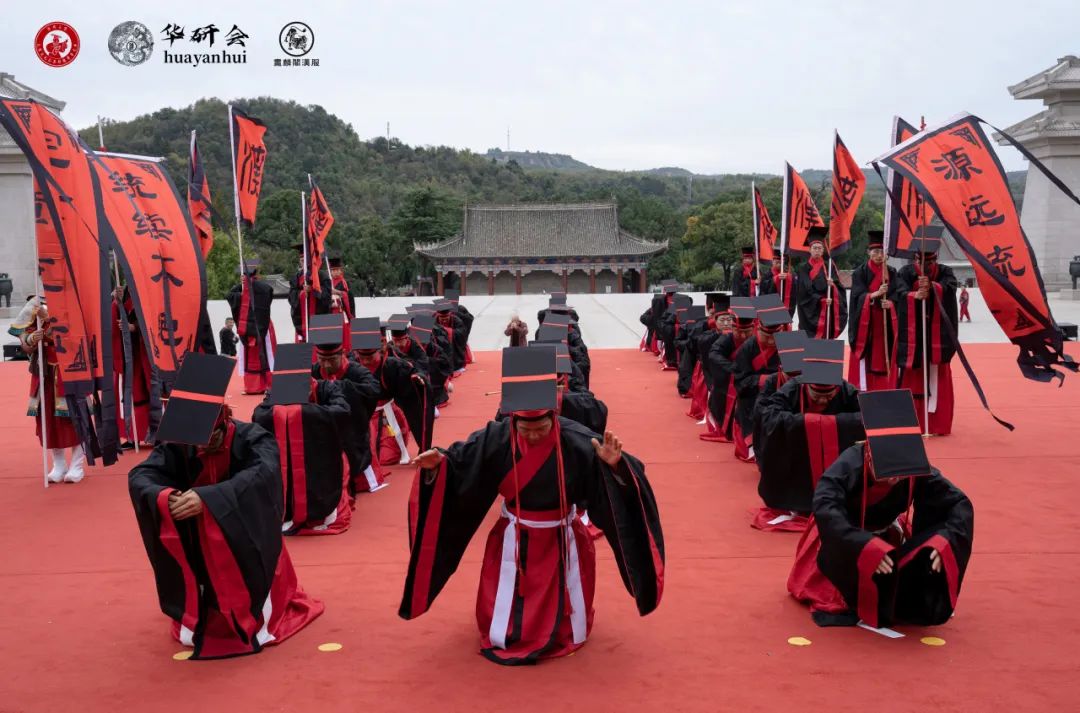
[{"x": 57, "y": 44}]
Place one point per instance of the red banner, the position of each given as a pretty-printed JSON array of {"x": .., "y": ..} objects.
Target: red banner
[
  {"x": 144, "y": 218},
  {"x": 848, "y": 186},
  {"x": 898, "y": 234},
  {"x": 72, "y": 265},
  {"x": 799, "y": 215},
  {"x": 249, "y": 162},
  {"x": 955, "y": 168},
  {"x": 764, "y": 231},
  {"x": 198, "y": 199},
  {"x": 319, "y": 222}
]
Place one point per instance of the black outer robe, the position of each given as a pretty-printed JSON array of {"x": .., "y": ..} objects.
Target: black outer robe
[
  {"x": 749, "y": 381},
  {"x": 667, "y": 333},
  {"x": 322, "y": 423},
  {"x": 781, "y": 443},
  {"x": 809, "y": 294},
  {"x": 740, "y": 285},
  {"x": 415, "y": 398},
  {"x": 686, "y": 344},
  {"x": 721, "y": 368},
  {"x": 247, "y": 508},
  {"x": 448, "y": 505},
  {"x": 850, "y": 551},
  {"x": 458, "y": 341},
  {"x": 770, "y": 284},
  {"x": 861, "y": 277},
  {"x": 415, "y": 356},
  {"x": 440, "y": 368},
  {"x": 296, "y": 304},
  {"x": 258, "y": 316},
  {"x": 361, "y": 391},
  {"x": 909, "y": 344}
]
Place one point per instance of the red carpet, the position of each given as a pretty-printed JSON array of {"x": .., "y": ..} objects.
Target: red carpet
[{"x": 81, "y": 627}]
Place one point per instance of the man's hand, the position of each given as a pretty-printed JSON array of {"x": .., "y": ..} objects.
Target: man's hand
[
  {"x": 305, "y": 289},
  {"x": 886, "y": 304},
  {"x": 611, "y": 451},
  {"x": 429, "y": 459},
  {"x": 418, "y": 378},
  {"x": 935, "y": 561},
  {"x": 782, "y": 275},
  {"x": 184, "y": 505},
  {"x": 828, "y": 300},
  {"x": 885, "y": 566}
]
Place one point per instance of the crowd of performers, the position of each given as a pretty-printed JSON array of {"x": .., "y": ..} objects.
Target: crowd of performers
[
  {"x": 216, "y": 495},
  {"x": 884, "y": 537}
]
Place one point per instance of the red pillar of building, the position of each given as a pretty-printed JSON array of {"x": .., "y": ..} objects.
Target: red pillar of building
[
  {"x": 592, "y": 280},
  {"x": 491, "y": 282},
  {"x": 565, "y": 279},
  {"x": 439, "y": 283},
  {"x": 517, "y": 286},
  {"x": 644, "y": 286},
  {"x": 618, "y": 281},
  {"x": 464, "y": 279}
]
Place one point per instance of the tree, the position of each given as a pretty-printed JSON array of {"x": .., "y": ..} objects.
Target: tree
[
  {"x": 713, "y": 238},
  {"x": 222, "y": 266}
]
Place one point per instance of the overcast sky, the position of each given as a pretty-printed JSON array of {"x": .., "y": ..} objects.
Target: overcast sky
[{"x": 714, "y": 87}]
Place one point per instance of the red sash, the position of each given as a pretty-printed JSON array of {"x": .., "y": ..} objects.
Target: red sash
[
  {"x": 527, "y": 466},
  {"x": 289, "y": 434},
  {"x": 245, "y": 307}
]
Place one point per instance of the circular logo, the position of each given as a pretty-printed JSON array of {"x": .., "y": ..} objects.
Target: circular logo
[
  {"x": 296, "y": 39},
  {"x": 57, "y": 44},
  {"x": 131, "y": 43}
]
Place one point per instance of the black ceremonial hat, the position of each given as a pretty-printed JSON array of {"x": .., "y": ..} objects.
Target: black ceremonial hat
[
  {"x": 747, "y": 250},
  {"x": 670, "y": 286},
  {"x": 557, "y": 319},
  {"x": 196, "y": 399},
  {"x": 365, "y": 333},
  {"x": 420, "y": 309},
  {"x": 877, "y": 239},
  {"x": 927, "y": 239},
  {"x": 691, "y": 315},
  {"x": 743, "y": 308},
  {"x": 453, "y": 295},
  {"x": 893, "y": 434},
  {"x": 559, "y": 307},
  {"x": 719, "y": 301},
  {"x": 771, "y": 311},
  {"x": 823, "y": 362},
  {"x": 551, "y": 333},
  {"x": 817, "y": 233},
  {"x": 443, "y": 305},
  {"x": 422, "y": 326},
  {"x": 292, "y": 374},
  {"x": 528, "y": 380},
  {"x": 398, "y": 322},
  {"x": 326, "y": 331},
  {"x": 563, "y": 365},
  {"x": 790, "y": 346},
  {"x": 558, "y": 298}
]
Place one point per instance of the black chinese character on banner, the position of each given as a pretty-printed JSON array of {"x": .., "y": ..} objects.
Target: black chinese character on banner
[
  {"x": 132, "y": 184},
  {"x": 236, "y": 36},
  {"x": 1001, "y": 258},
  {"x": 955, "y": 164},
  {"x": 39, "y": 208},
  {"x": 251, "y": 168},
  {"x": 165, "y": 327},
  {"x": 978, "y": 214},
  {"x": 151, "y": 224},
  {"x": 173, "y": 32},
  {"x": 164, "y": 274},
  {"x": 54, "y": 141},
  {"x": 204, "y": 33},
  {"x": 848, "y": 189}
]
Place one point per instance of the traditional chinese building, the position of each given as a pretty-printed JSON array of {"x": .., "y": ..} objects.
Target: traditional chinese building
[
  {"x": 541, "y": 247},
  {"x": 1049, "y": 218},
  {"x": 17, "y": 257}
]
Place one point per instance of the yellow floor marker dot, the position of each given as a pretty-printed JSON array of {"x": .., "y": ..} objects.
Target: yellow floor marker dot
[
  {"x": 932, "y": 641},
  {"x": 182, "y": 655},
  {"x": 330, "y": 647},
  {"x": 799, "y": 641}
]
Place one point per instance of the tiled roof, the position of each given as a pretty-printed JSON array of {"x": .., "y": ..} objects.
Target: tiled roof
[
  {"x": 1064, "y": 75},
  {"x": 533, "y": 230}
]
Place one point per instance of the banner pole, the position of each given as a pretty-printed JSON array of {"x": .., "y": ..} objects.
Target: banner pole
[
  {"x": 757, "y": 258},
  {"x": 783, "y": 232},
  {"x": 134, "y": 423},
  {"x": 303, "y": 241}
]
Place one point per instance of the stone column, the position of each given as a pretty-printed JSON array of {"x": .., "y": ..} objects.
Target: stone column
[
  {"x": 592, "y": 280},
  {"x": 439, "y": 283},
  {"x": 644, "y": 281},
  {"x": 618, "y": 281},
  {"x": 517, "y": 286},
  {"x": 491, "y": 282}
]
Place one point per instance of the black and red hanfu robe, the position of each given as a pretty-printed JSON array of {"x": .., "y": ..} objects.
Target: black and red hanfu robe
[
  {"x": 772, "y": 284},
  {"x": 873, "y": 330},
  {"x": 316, "y": 303},
  {"x": 538, "y": 573},
  {"x": 650, "y": 342},
  {"x": 440, "y": 368},
  {"x": 403, "y": 386},
  {"x": 457, "y": 335},
  {"x": 719, "y": 422},
  {"x": 131, "y": 362},
  {"x": 909, "y": 352},
  {"x": 856, "y": 522},
  {"x": 812, "y": 290},
  {"x": 224, "y": 576},
  {"x": 361, "y": 390},
  {"x": 313, "y": 477},
  {"x": 744, "y": 283},
  {"x": 794, "y": 446},
  {"x": 60, "y": 429},
  {"x": 250, "y": 303},
  {"x": 754, "y": 362},
  {"x": 685, "y": 344}
]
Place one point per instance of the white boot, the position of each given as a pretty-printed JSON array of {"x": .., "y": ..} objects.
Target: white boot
[
  {"x": 75, "y": 470},
  {"x": 59, "y": 467}
]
